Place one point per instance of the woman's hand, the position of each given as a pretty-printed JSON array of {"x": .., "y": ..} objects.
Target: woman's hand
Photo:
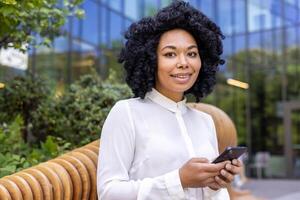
[
  {"x": 198, "y": 172},
  {"x": 227, "y": 175}
]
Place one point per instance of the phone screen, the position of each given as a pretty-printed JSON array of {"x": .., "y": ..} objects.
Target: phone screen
[{"x": 230, "y": 153}]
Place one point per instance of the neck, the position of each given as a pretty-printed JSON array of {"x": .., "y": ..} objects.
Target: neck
[{"x": 174, "y": 96}]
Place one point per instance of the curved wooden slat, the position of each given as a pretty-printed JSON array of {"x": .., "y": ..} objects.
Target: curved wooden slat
[
  {"x": 34, "y": 185},
  {"x": 89, "y": 153},
  {"x": 58, "y": 190},
  {"x": 22, "y": 185},
  {"x": 92, "y": 148},
  {"x": 44, "y": 182},
  {"x": 4, "y": 194},
  {"x": 96, "y": 143},
  {"x": 12, "y": 188},
  {"x": 64, "y": 177},
  {"x": 92, "y": 170},
  {"x": 74, "y": 175},
  {"x": 83, "y": 172}
]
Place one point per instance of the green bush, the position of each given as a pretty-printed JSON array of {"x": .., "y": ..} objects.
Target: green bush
[
  {"x": 79, "y": 114},
  {"x": 15, "y": 154},
  {"x": 22, "y": 96},
  {"x": 55, "y": 125}
]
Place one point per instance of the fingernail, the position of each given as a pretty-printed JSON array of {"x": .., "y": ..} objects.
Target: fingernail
[
  {"x": 223, "y": 172},
  {"x": 228, "y": 167}
]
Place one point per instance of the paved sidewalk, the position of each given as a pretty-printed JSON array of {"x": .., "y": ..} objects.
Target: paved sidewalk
[{"x": 274, "y": 189}]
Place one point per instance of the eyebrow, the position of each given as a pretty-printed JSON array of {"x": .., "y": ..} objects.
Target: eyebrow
[{"x": 173, "y": 47}]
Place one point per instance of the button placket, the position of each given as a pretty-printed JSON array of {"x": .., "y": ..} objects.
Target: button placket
[{"x": 185, "y": 135}]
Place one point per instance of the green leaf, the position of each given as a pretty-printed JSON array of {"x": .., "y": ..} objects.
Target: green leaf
[
  {"x": 80, "y": 13},
  {"x": 9, "y": 2}
]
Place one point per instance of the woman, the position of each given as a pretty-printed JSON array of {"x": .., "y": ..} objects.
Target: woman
[{"x": 153, "y": 146}]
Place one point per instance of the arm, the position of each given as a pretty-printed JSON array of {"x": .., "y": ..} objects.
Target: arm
[{"x": 117, "y": 146}]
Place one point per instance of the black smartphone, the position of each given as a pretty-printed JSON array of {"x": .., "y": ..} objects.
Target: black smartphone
[{"x": 230, "y": 153}]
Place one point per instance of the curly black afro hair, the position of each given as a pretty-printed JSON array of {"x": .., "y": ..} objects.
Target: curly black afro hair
[{"x": 139, "y": 53}]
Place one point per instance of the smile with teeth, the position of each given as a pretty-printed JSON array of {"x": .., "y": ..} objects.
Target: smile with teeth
[{"x": 181, "y": 78}]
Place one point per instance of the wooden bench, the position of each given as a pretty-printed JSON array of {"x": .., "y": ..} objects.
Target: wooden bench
[{"x": 73, "y": 175}]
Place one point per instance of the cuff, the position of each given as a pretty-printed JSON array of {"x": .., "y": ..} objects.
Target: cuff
[
  {"x": 221, "y": 194},
  {"x": 173, "y": 184}
]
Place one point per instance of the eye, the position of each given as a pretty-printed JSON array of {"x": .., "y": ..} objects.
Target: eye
[
  {"x": 170, "y": 54},
  {"x": 193, "y": 54}
]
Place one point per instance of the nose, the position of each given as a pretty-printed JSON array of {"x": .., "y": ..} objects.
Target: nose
[{"x": 182, "y": 62}]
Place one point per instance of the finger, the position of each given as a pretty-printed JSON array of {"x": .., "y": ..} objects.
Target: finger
[
  {"x": 227, "y": 176},
  {"x": 209, "y": 180},
  {"x": 233, "y": 169},
  {"x": 209, "y": 167},
  {"x": 200, "y": 160},
  {"x": 208, "y": 176},
  {"x": 220, "y": 182},
  {"x": 214, "y": 186},
  {"x": 237, "y": 162}
]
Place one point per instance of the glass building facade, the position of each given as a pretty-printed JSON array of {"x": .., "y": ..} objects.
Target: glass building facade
[{"x": 262, "y": 48}]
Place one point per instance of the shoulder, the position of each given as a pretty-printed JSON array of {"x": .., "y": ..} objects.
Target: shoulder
[
  {"x": 199, "y": 113},
  {"x": 123, "y": 106},
  {"x": 124, "y": 103}
]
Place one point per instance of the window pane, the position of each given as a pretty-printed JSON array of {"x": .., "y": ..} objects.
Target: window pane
[
  {"x": 115, "y": 4},
  {"x": 240, "y": 43},
  {"x": 290, "y": 13},
  {"x": 254, "y": 41},
  {"x": 225, "y": 20},
  {"x": 239, "y": 16},
  {"x": 83, "y": 59},
  {"x": 164, "y": 3},
  {"x": 267, "y": 39},
  {"x": 103, "y": 25},
  {"x": 260, "y": 14},
  {"x": 115, "y": 27},
  {"x": 206, "y": 6},
  {"x": 131, "y": 9},
  {"x": 151, "y": 7},
  {"x": 227, "y": 46},
  {"x": 90, "y": 30},
  {"x": 194, "y": 3}
]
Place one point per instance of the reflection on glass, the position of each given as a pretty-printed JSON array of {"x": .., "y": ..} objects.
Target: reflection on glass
[
  {"x": 84, "y": 59},
  {"x": 131, "y": 9},
  {"x": 90, "y": 30},
  {"x": 225, "y": 19},
  {"x": 206, "y": 6},
  {"x": 103, "y": 26},
  {"x": 115, "y": 27},
  {"x": 151, "y": 6},
  {"x": 193, "y": 3},
  {"x": 227, "y": 46},
  {"x": 164, "y": 3},
  {"x": 240, "y": 43},
  {"x": 239, "y": 16},
  {"x": 115, "y": 4},
  {"x": 254, "y": 40}
]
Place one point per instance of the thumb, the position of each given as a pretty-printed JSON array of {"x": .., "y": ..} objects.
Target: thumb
[{"x": 200, "y": 160}]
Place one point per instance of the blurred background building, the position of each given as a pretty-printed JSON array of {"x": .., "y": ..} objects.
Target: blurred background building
[{"x": 261, "y": 49}]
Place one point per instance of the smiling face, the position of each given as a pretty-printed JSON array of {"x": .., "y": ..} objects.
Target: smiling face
[{"x": 178, "y": 62}]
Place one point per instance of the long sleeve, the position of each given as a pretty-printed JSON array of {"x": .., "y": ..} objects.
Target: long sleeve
[{"x": 117, "y": 150}]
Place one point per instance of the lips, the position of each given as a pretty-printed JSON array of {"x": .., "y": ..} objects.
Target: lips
[
  {"x": 185, "y": 75},
  {"x": 181, "y": 78}
]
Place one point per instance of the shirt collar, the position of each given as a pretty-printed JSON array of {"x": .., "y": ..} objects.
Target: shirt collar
[{"x": 167, "y": 103}]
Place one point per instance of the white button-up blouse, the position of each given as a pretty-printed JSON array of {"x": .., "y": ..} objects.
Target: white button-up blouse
[{"x": 143, "y": 144}]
